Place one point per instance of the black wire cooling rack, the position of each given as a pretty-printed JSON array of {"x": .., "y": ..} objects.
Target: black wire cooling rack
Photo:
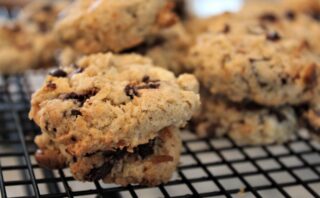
[{"x": 208, "y": 168}]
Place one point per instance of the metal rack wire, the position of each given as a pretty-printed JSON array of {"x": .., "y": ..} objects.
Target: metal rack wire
[{"x": 209, "y": 167}]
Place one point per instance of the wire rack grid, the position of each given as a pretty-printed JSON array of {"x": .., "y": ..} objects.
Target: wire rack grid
[{"x": 208, "y": 168}]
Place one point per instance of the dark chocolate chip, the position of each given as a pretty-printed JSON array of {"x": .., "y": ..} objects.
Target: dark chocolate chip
[
  {"x": 131, "y": 91},
  {"x": 301, "y": 109},
  {"x": 109, "y": 153},
  {"x": 270, "y": 17},
  {"x": 46, "y": 125},
  {"x": 254, "y": 60},
  {"x": 58, "y": 73},
  {"x": 144, "y": 47},
  {"x": 145, "y": 79},
  {"x": 47, "y": 8},
  {"x": 73, "y": 138},
  {"x": 273, "y": 36},
  {"x": 76, "y": 112},
  {"x": 51, "y": 85},
  {"x": 153, "y": 85},
  {"x": 279, "y": 115},
  {"x": 100, "y": 172},
  {"x": 315, "y": 15},
  {"x": 211, "y": 129},
  {"x": 284, "y": 81},
  {"x": 93, "y": 153},
  {"x": 43, "y": 27},
  {"x": 110, "y": 158},
  {"x": 81, "y": 98},
  {"x": 180, "y": 9},
  {"x": 311, "y": 76},
  {"x": 290, "y": 15},
  {"x": 145, "y": 150},
  {"x": 71, "y": 96},
  {"x": 226, "y": 29},
  {"x": 247, "y": 105}
]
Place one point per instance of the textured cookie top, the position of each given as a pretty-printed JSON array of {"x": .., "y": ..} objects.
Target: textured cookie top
[
  {"x": 42, "y": 13},
  {"x": 112, "y": 101},
  {"x": 265, "y": 68},
  {"x": 92, "y": 26},
  {"x": 17, "y": 40},
  {"x": 23, "y": 47}
]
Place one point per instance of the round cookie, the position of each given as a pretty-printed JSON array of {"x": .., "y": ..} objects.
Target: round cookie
[
  {"x": 42, "y": 13},
  {"x": 112, "y": 101},
  {"x": 265, "y": 68},
  {"x": 91, "y": 26},
  {"x": 245, "y": 123}
]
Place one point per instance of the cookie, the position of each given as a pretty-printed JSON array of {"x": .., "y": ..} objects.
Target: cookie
[
  {"x": 18, "y": 48},
  {"x": 28, "y": 42},
  {"x": 149, "y": 164},
  {"x": 111, "y": 103},
  {"x": 91, "y": 26},
  {"x": 264, "y": 68},
  {"x": 22, "y": 47},
  {"x": 168, "y": 49},
  {"x": 245, "y": 123},
  {"x": 42, "y": 13}
]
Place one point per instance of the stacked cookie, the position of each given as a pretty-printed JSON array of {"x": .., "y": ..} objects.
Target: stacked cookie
[
  {"x": 108, "y": 113},
  {"x": 114, "y": 117},
  {"x": 28, "y": 42},
  {"x": 259, "y": 71}
]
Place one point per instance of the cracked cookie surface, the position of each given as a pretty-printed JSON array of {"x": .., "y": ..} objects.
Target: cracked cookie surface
[
  {"x": 265, "y": 68},
  {"x": 90, "y": 26},
  {"x": 111, "y": 103}
]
